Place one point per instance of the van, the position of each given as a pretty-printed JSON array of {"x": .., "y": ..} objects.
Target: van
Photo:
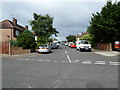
[{"x": 83, "y": 45}]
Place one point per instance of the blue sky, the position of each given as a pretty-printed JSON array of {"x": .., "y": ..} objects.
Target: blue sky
[{"x": 71, "y": 17}]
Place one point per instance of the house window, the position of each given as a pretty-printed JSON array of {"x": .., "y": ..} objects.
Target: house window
[{"x": 17, "y": 32}]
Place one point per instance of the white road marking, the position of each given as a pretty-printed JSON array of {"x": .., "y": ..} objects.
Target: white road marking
[
  {"x": 100, "y": 62},
  {"x": 65, "y": 51},
  {"x": 26, "y": 59},
  {"x": 86, "y": 62},
  {"x": 29, "y": 87},
  {"x": 40, "y": 60},
  {"x": 114, "y": 63},
  {"x": 76, "y": 61},
  {"x": 63, "y": 61},
  {"x": 21, "y": 59},
  {"x": 48, "y": 60},
  {"x": 68, "y": 58}
]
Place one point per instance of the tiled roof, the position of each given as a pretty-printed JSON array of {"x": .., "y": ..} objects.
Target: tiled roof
[
  {"x": 9, "y": 24},
  {"x": 77, "y": 36}
]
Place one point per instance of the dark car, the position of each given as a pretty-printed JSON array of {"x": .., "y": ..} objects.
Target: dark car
[{"x": 54, "y": 46}]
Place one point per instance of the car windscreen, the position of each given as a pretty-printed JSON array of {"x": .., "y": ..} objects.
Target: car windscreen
[
  {"x": 84, "y": 42},
  {"x": 43, "y": 45},
  {"x": 117, "y": 42}
]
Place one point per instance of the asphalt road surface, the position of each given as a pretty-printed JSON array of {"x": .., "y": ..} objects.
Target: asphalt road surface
[{"x": 63, "y": 68}]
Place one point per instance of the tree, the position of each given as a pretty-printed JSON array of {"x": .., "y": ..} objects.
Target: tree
[
  {"x": 105, "y": 26},
  {"x": 71, "y": 38},
  {"x": 26, "y": 40},
  {"x": 43, "y": 26}
]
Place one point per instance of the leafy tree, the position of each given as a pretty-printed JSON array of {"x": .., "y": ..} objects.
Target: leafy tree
[
  {"x": 13, "y": 42},
  {"x": 105, "y": 26},
  {"x": 85, "y": 37},
  {"x": 26, "y": 40},
  {"x": 43, "y": 27},
  {"x": 71, "y": 38}
]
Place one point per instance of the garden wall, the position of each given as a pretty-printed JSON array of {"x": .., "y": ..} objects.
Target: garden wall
[
  {"x": 19, "y": 50},
  {"x": 104, "y": 46}
]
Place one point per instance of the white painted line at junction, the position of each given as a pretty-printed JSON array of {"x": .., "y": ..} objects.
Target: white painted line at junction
[
  {"x": 65, "y": 51},
  {"x": 68, "y": 58},
  {"x": 86, "y": 62},
  {"x": 29, "y": 87},
  {"x": 63, "y": 61},
  {"x": 114, "y": 63},
  {"x": 76, "y": 61},
  {"x": 26, "y": 59},
  {"x": 40, "y": 60},
  {"x": 48, "y": 60},
  {"x": 21, "y": 59},
  {"x": 100, "y": 62}
]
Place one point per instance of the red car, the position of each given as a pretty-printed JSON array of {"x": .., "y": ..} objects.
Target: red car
[
  {"x": 117, "y": 45},
  {"x": 73, "y": 45}
]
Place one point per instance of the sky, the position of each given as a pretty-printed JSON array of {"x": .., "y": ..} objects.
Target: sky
[{"x": 71, "y": 17}]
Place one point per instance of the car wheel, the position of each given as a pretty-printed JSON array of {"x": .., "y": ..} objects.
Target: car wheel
[
  {"x": 39, "y": 53},
  {"x": 90, "y": 50},
  {"x": 80, "y": 50}
]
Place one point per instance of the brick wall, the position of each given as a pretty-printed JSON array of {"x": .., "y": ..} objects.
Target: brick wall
[
  {"x": 106, "y": 46},
  {"x": 18, "y": 50},
  {"x": 6, "y": 35}
]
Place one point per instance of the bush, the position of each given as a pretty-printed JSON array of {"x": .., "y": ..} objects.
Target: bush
[
  {"x": 26, "y": 40},
  {"x": 13, "y": 42}
]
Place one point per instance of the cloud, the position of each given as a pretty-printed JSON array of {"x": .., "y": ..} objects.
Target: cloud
[{"x": 70, "y": 18}]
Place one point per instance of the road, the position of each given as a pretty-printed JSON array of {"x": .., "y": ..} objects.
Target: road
[{"x": 63, "y": 68}]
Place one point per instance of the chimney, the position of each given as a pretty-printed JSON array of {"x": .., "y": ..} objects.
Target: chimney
[
  {"x": 26, "y": 27},
  {"x": 14, "y": 21}
]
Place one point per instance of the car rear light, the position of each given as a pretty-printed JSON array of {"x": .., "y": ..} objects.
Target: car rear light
[
  {"x": 38, "y": 48},
  {"x": 47, "y": 48}
]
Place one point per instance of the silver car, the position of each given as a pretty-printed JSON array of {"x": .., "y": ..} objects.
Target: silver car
[{"x": 44, "y": 48}]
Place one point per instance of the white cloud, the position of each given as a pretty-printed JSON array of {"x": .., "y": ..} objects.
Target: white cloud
[{"x": 69, "y": 17}]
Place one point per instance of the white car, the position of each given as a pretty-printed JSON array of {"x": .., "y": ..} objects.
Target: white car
[
  {"x": 66, "y": 44},
  {"x": 83, "y": 45},
  {"x": 44, "y": 48},
  {"x": 70, "y": 43}
]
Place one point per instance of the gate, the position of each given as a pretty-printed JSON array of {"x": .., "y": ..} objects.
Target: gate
[{"x": 4, "y": 47}]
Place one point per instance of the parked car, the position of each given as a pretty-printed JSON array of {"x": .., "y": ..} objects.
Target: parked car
[
  {"x": 62, "y": 43},
  {"x": 54, "y": 46},
  {"x": 73, "y": 45},
  {"x": 117, "y": 45},
  {"x": 57, "y": 44},
  {"x": 70, "y": 43},
  {"x": 66, "y": 44},
  {"x": 83, "y": 45},
  {"x": 44, "y": 48}
]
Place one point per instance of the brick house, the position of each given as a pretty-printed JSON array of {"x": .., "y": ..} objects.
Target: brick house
[{"x": 9, "y": 30}]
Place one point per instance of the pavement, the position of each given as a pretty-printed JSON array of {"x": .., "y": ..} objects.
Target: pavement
[
  {"x": 106, "y": 53},
  {"x": 63, "y": 68}
]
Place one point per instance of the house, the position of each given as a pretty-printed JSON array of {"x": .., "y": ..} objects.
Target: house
[
  {"x": 79, "y": 36},
  {"x": 10, "y": 30}
]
